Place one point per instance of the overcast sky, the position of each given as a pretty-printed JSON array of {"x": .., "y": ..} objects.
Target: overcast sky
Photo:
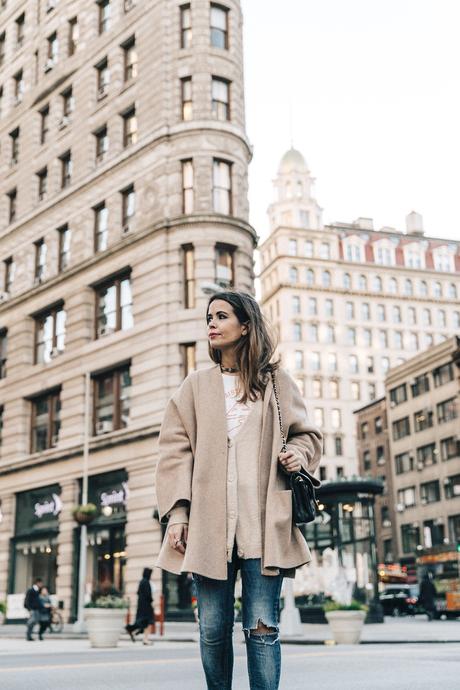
[{"x": 374, "y": 87}]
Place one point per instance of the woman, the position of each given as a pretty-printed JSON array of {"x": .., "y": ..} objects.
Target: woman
[
  {"x": 221, "y": 487},
  {"x": 144, "y": 613},
  {"x": 44, "y": 611}
]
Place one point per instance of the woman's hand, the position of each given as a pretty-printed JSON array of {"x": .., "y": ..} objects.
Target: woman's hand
[
  {"x": 178, "y": 535},
  {"x": 289, "y": 461}
]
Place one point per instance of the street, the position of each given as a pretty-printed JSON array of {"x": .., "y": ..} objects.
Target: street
[{"x": 72, "y": 665}]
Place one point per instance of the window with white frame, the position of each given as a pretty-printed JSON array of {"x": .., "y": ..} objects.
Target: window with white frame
[{"x": 444, "y": 258}]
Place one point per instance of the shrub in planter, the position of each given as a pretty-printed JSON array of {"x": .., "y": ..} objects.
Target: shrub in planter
[
  {"x": 2, "y": 611},
  {"x": 346, "y": 621},
  {"x": 84, "y": 514},
  {"x": 104, "y": 616}
]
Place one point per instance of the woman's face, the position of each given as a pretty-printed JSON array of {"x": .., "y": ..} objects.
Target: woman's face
[{"x": 224, "y": 329}]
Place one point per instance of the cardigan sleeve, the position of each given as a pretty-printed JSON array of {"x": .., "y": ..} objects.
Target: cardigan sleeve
[
  {"x": 302, "y": 437},
  {"x": 175, "y": 465}
]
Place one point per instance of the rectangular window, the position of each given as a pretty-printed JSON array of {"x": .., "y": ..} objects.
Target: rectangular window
[
  {"x": 101, "y": 227},
  {"x": 334, "y": 390},
  {"x": 350, "y": 310},
  {"x": 410, "y": 538},
  {"x": 443, "y": 374},
  {"x": 19, "y": 87},
  {"x": 338, "y": 445},
  {"x": 222, "y": 187},
  {"x": 49, "y": 334},
  {"x": 225, "y": 268},
  {"x": 64, "y": 247},
  {"x": 430, "y": 492},
  {"x": 365, "y": 311},
  {"x": 103, "y": 78},
  {"x": 12, "y": 205},
  {"x": 20, "y": 24},
  {"x": 185, "y": 26},
  {"x": 318, "y": 415},
  {"x": 9, "y": 273},
  {"x": 308, "y": 249},
  {"x": 383, "y": 339},
  {"x": 130, "y": 59},
  {"x": 186, "y": 99},
  {"x": 419, "y": 385},
  {"x": 129, "y": 127},
  {"x": 3, "y": 352},
  {"x": 452, "y": 486},
  {"x": 380, "y": 455},
  {"x": 42, "y": 179},
  {"x": 367, "y": 460},
  {"x": 114, "y": 306},
  {"x": 329, "y": 308},
  {"x": 407, "y": 497},
  {"x": 128, "y": 207},
  {"x": 364, "y": 431},
  {"x": 315, "y": 360},
  {"x": 297, "y": 332},
  {"x": 74, "y": 35},
  {"x": 317, "y": 388},
  {"x": 371, "y": 391},
  {"x": 404, "y": 462},
  {"x": 355, "y": 390},
  {"x": 220, "y": 99},
  {"x": 187, "y": 187},
  {"x": 102, "y": 143},
  {"x": 378, "y": 425},
  {"x": 219, "y": 26},
  {"x": 353, "y": 364},
  {"x": 298, "y": 356},
  {"x": 188, "y": 358},
  {"x": 398, "y": 395},
  {"x": 446, "y": 410},
  {"x": 331, "y": 362},
  {"x": 292, "y": 247},
  {"x": 112, "y": 392},
  {"x": 381, "y": 316},
  {"x": 68, "y": 106},
  {"x": 2, "y": 48},
  {"x": 423, "y": 419},
  {"x": 66, "y": 169},
  {"x": 53, "y": 51},
  {"x": 351, "y": 336},
  {"x": 40, "y": 261},
  {"x": 14, "y": 136},
  {"x": 401, "y": 428},
  {"x": 46, "y": 421},
  {"x": 336, "y": 419},
  {"x": 397, "y": 314},
  {"x": 188, "y": 260},
  {"x": 295, "y": 304},
  {"x": 449, "y": 448},
  {"x": 44, "y": 123},
  {"x": 312, "y": 306},
  {"x": 426, "y": 456},
  {"x": 103, "y": 15}
]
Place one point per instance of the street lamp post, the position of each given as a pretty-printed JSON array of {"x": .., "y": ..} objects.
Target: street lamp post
[{"x": 79, "y": 625}]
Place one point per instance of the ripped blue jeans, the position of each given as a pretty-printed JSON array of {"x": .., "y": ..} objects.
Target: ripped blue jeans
[{"x": 260, "y": 599}]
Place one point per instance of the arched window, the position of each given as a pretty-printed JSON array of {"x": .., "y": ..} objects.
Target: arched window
[
  {"x": 299, "y": 189},
  {"x": 377, "y": 284},
  {"x": 437, "y": 289},
  {"x": 452, "y": 291},
  {"x": 347, "y": 281},
  {"x": 408, "y": 290},
  {"x": 423, "y": 288},
  {"x": 310, "y": 277},
  {"x": 326, "y": 279},
  {"x": 362, "y": 282},
  {"x": 293, "y": 274},
  {"x": 393, "y": 286}
]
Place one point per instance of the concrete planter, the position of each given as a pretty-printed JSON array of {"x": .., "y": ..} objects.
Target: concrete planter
[
  {"x": 104, "y": 626},
  {"x": 346, "y": 626}
]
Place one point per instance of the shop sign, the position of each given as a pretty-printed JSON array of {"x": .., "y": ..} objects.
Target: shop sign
[
  {"x": 51, "y": 507},
  {"x": 115, "y": 497},
  {"x": 15, "y": 607}
]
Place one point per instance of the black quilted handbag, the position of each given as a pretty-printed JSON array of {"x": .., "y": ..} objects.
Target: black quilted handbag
[{"x": 304, "y": 502}]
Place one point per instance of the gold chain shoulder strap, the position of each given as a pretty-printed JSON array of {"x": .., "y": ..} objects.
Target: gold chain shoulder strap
[{"x": 275, "y": 391}]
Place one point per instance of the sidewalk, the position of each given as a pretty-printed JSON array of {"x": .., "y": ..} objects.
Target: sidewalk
[{"x": 393, "y": 631}]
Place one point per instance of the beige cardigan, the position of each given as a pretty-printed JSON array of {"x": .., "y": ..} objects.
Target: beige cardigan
[{"x": 192, "y": 467}]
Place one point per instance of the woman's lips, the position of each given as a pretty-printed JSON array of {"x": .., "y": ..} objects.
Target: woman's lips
[{"x": 213, "y": 335}]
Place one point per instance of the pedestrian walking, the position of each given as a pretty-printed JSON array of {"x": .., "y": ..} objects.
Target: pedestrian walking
[
  {"x": 428, "y": 596},
  {"x": 144, "y": 614},
  {"x": 44, "y": 611},
  {"x": 32, "y": 604},
  {"x": 221, "y": 487}
]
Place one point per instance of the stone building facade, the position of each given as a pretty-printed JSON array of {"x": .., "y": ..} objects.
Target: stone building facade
[
  {"x": 349, "y": 303},
  {"x": 123, "y": 199},
  {"x": 374, "y": 460},
  {"x": 423, "y": 404}
]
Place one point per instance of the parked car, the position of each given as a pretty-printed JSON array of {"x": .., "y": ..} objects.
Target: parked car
[{"x": 400, "y": 600}]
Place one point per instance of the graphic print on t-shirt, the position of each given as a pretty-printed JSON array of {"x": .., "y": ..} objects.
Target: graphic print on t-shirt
[{"x": 235, "y": 411}]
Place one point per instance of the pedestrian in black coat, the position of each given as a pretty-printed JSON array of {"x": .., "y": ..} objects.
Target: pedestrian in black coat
[
  {"x": 427, "y": 596},
  {"x": 32, "y": 604},
  {"x": 144, "y": 614}
]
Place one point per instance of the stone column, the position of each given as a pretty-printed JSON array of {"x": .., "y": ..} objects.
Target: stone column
[
  {"x": 6, "y": 532},
  {"x": 64, "y": 580}
]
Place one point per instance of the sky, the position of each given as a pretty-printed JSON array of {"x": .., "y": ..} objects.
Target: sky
[{"x": 373, "y": 89}]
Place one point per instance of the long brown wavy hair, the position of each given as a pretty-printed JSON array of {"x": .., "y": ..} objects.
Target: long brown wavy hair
[{"x": 254, "y": 350}]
